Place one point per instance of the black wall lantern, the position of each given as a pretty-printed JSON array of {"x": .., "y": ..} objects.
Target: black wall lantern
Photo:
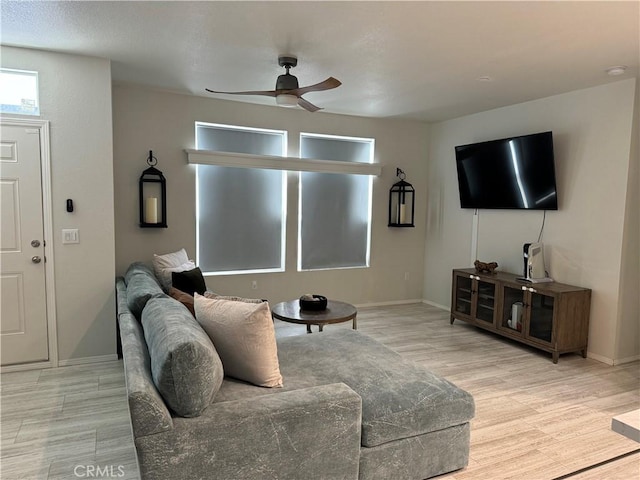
[
  {"x": 402, "y": 202},
  {"x": 153, "y": 196}
]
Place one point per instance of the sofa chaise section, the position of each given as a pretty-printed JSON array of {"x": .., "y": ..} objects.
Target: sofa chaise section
[
  {"x": 415, "y": 424},
  {"x": 349, "y": 408}
]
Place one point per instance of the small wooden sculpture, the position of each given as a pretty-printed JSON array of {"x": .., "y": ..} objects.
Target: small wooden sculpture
[{"x": 485, "y": 267}]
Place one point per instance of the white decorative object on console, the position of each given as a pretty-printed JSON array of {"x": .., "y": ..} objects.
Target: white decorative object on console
[{"x": 534, "y": 269}]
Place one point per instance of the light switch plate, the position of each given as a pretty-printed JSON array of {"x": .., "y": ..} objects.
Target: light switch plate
[{"x": 70, "y": 235}]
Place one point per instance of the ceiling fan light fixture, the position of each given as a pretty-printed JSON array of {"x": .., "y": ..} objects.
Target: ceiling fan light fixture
[{"x": 287, "y": 100}]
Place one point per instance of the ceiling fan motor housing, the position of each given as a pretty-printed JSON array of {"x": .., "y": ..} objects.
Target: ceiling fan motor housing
[{"x": 286, "y": 82}]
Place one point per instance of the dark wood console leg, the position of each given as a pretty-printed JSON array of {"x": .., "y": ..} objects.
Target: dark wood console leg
[
  {"x": 451, "y": 321},
  {"x": 555, "y": 356},
  {"x": 584, "y": 352},
  {"x": 308, "y": 328}
]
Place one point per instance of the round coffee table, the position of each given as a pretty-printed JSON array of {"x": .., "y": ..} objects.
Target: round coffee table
[{"x": 336, "y": 312}]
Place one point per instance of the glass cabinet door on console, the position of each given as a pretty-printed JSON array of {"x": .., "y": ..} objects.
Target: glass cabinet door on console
[
  {"x": 474, "y": 299},
  {"x": 512, "y": 319},
  {"x": 461, "y": 305},
  {"x": 486, "y": 303},
  {"x": 525, "y": 312},
  {"x": 540, "y": 325}
]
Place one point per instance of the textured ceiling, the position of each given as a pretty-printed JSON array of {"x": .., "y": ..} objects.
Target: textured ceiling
[{"x": 416, "y": 60}]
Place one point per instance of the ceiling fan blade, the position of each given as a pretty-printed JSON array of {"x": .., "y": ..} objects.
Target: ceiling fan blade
[
  {"x": 328, "y": 84},
  {"x": 310, "y": 107},
  {"x": 266, "y": 93}
]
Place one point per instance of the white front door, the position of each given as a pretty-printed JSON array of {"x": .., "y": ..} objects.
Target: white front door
[{"x": 23, "y": 307}]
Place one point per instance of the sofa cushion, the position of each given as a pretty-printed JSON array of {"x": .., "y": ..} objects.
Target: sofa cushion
[
  {"x": 189, "y": 281},
  {"x": 141, "y": 286},
  {"x": 244, "y": 336},
  {"x": 399, "y": 398},
  {"x": 185, "y": 366},
  {"x": 164, "y": 265}
]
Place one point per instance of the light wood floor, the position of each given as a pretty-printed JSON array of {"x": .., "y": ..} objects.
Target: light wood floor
[{"x": 534, "y": 420}]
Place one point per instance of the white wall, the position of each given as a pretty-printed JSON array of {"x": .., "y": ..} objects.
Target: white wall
[
  {"x": 583, "y": 239},
  {"x": 164, "y": 122},
  {"x": 75, "y": 96},
  {"x": 628, "y": 334}
]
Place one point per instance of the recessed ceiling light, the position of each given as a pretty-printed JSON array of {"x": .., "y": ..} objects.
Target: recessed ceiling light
[
  {"x": 617, "y": 70},
  {"x": 485, "y": 78}
]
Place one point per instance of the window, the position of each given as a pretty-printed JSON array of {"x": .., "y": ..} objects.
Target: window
[
  {"x": 335, "y": 209},
  {"x": 240, "y": 212},
  {"x": 19, "y": 92}
]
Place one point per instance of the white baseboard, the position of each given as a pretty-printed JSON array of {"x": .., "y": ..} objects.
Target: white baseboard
[
  {"x": 622, "y": 361},
  {"x": 437, "y": 305},
  {"x": 403, "y": 302},
  {"x": 26, "y": 366},
  {"x": 600, "y": 358},
  {"x": 390, "y": 303},
  {"x": 610, "y": 361},
  {"x": 61, "y": 363},
  {"x": 86, "y": 360}
]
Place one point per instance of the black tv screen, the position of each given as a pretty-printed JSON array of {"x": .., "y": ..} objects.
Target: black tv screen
[{"x": 516, "y": 172}]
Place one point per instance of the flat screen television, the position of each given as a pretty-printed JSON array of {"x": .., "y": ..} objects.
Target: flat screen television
[{"x": 509, "y": 173}]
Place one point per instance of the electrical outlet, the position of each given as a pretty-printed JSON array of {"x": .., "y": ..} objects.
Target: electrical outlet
[{"x": 254, "y": 285}]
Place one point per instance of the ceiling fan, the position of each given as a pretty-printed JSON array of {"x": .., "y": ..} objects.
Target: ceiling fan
[{"x": 287, "y": 92}]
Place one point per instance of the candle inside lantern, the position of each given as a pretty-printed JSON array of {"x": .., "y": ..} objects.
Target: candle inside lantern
[
  {"x": 403, "y": 212},
  {"x": 151, "y": 210}
]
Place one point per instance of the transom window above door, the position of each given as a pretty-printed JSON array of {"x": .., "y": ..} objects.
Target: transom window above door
[{"x": 19, "y": 92}]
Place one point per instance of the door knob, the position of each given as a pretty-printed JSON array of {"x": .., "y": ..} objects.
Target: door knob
[
  {"x": 36, "y": 259},
  {"x": 35, "y": 243}
]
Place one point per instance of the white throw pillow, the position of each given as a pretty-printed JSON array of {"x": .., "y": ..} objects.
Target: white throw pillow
[
  {"x": 244, "y": 338},
  {"x": 164, "y": 265}
]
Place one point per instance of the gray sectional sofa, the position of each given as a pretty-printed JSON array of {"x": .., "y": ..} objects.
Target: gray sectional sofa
[{"x": 350, "y": 407}]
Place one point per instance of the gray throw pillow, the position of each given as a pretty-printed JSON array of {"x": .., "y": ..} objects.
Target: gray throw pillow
[{"x": 185, "y": 366}]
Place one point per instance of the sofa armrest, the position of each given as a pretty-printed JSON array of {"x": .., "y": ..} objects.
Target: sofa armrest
[
  {"x": 311, "y": 433},
  {"x": 121, "y": 297},
  {"x": 148, "y": 412}
]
